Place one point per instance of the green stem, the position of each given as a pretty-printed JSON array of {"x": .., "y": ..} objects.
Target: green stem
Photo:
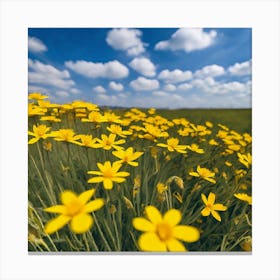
[{"x": 101, "y": 234}]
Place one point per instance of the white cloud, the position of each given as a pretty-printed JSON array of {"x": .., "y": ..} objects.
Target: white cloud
[
  {"x": 143, "y": 84},
  {"x": 210, "y": 71},
  {"x": 35, "y": 45},
  {"x": 44, "y": 74},
  {"x": 175, "y": 76},
  {"x": 188, "y": 39},
  {"x": 62, "y": 93},
  {"x": 99, "y": 89},
  {"x": 203, "y": 83},
  {"x": 210, "y": 86},
  {"x": 143, "y": 66},
  {"x": 75, "y": 90},
  {"x": 185, "y": 86},
  {"x": 169, "y": 87},
  {"x": 110, "y": 70},
  {"x": 241, "y": 69},
  {"x": 160, "y": 93},
  {"x": 116, "y": 86},
  {"x": 125, "y": 39},
  {"x": 33, "y": 88}
]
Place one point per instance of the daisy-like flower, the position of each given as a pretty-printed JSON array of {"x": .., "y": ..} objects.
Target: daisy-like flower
[
  {"x": 108, "y": 174},
  {"x": 65, "y": 135},
  {"x": 173, "y": 145},
  {"x": 204, "y": 173},
  {"x": 117, "y": 129},
  {"x": 195, "y": 148},
  {"x": 108, "y": 142},
  {"x": 244, "y": 197},
  {"x": 39, "y": 132},
  {"x": 94, "y": 117},
  {"x": 211, "y": 207},
  {"x": 75, "y": 210},
  {"x": 163, "y": 233},
  {"x": 245, "y": 159},
  {"x": 86, "y": 141},
  {"x": 37, "y": 96},
  {"x": 128, "y": 156}
]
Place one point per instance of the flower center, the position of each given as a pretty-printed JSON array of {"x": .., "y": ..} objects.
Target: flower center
[
  {"x": 108, "y": 174},
  {"x": 164, "y": 231},
  {"x": 74, "y": 208}
]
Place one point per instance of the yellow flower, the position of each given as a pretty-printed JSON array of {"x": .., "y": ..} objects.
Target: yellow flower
[
  {"x": 213, "y": 142},
  {"x": 50, "y": 119},
  {"x": 128, "y": 156},
  {"x": 39, "y": 132},
  {"x": 67, "y": 135},
  {"x": 195, "y": 148},
  {"x": 86, "y": 141},
  {"x": 37, "y": 96},
  {"x": 211, "y": 207},
  {"x": 34, "y": 110},
  {"x": 108, "y": 174},
  {"x": 108, "y": 142},
  {"x": 209, "y": 124},
  {"x": 204, "y": 173},
  {"x": 172, "y": 145},
  {"x": 162, "y": 233},
  {"x": 245, "y": 159},
  {"x": 112, "y": 117},
  {"x": 244, "y": 197},
  {"x": 161, "y": 188},
  {"x": 94, "y": 117},
  {"x": 117, "y": 129},
  {"x": 74, "y": 209}
]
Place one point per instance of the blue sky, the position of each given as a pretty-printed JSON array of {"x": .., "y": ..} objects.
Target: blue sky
[{"x": 142, "y": 67}]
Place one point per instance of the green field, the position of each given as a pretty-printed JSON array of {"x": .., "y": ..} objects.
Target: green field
[{"x": 166, "y": 162}]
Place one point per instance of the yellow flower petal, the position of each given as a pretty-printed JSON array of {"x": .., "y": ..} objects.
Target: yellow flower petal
[
  {"x": 211, "y": 198},
  {"x": 216, "y": 215},
  {"x": 96, "y": 180},
  {"x": 143, "y": 224},
  {"x": 150, "y": 242},
  {"x": 33, "y": 140},
  {"x": 204, "y": 199},
  {"x": 153, "y": 214},
  {"x": 86, "y": 196},
  {"x": 172, "y": 217},
  {"x": 94, "y": 205},
  {"x": 118, "y": 180},
  {"x": 56, "y": 209},
  {"x": 108, "y": 184},
  {"x": 186, "y": 233},
  {"x": 210, "y": 180},
  {"x": 56, "y": 224},
  {"x": 195, "y": 174},
  {"x": 81, "y": 223},
  {"x": 205, "y": 212},
  {"x": 67, "y": 197},
  {"x": 219, "y": 207},
  {"x": 175, "y": 245},
  {"x": 123, "y": 174}
]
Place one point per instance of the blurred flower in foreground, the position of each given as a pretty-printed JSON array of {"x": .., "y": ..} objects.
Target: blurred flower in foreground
[
  {"x": 74, "y": 209},
  {"x": 162, "y": 233}
]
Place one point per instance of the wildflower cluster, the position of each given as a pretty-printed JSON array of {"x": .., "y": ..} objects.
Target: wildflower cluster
[{"x": 131, "y": 179}]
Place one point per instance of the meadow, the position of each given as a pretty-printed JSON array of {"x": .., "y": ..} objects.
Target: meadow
[{"x": 138, "y": 179}]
